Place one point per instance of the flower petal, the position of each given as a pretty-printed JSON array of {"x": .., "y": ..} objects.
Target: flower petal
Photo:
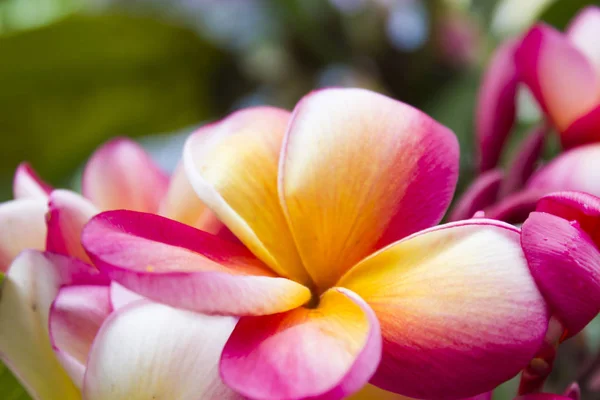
[
  {"x": 281, "y": 356},
  {"x": 482, "y": 193},
  {"x": 182, "y": 204},
  {"x": 496, "y": 105},
  {"x": 524, "y": 162},
  {"x": 120, "y": 175},
  {"x": 584, "y": 33},
  {"x": 583, "y": 131},
  {"x": 575, "y": 206},
  {"x": 75, "y": 318},
  {"x": 68, "y": 213},
  {"x": 23, "y": 227},
  {"x": 151, "y": 351},
  {"x": 575, "y": 170},
  {"x": 515, "y": 208},
  {"x": 566, "y": 266},
  {"x": 27, "y": 184},
  {"x": 178, "y": 265},
  {"x": 28, "y": 289},
  {"x": 232, "y": 166},
  {"x": 358, "y": 171},
  {"x": 121, "y": 296},
  {"x": 457, "y": 306},
  {"x": 558, "y": 74}
]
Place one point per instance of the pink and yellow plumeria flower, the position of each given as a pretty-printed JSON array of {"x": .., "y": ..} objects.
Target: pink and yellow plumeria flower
[
  {"x": 563, "y": 73},
  {"x": 342, "y": 280},
  {"x": 57, "y": 300}
]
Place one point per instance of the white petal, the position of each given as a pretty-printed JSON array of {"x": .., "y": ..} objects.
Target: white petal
[{"x": 151, "y": 351}]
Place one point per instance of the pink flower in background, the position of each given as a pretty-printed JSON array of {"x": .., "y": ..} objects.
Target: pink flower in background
[
  {"x": 574, "y": 170},
  {"x": 563, "y": 73},
  {"x": 496, "y": 106},
  {"x": 341, "y": 282},
  {"x": 58, "y": 300}
]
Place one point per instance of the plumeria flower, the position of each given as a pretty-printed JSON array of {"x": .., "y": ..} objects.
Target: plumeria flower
[
  {"x": 574, "y": 170},
  {"x": 561, "y": 241},
  {"x": 98, "y": 330},
  {"x": 562, "y": 71},
  {"x": 344, "y": 278}
]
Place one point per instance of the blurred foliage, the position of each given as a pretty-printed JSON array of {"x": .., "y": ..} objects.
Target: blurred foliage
[
  {"x": 69, "y": 86},
  {"x": 561, "y": 12},
  {"x": 9, "y": 387}
]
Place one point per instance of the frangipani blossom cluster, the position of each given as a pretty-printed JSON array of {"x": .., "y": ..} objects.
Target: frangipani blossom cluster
[
  {"x": 294, "y": 255},
  {"x": 562, "y": 71}
]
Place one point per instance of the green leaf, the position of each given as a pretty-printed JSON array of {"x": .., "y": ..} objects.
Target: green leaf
[
  {"x": 562, "y": 11},
  {"x": 10, "y": 389},
  {"x": 67, "y": 87}
]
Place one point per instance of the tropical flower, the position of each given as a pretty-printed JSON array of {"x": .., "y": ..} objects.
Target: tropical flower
[
  {"x": 562, "y": 71},
  {"x": 99, "y": 330},
  {"x": 574, "y": 170},
  {"x": 561, "y": 241},
  {"x": 343, "y": 279}
]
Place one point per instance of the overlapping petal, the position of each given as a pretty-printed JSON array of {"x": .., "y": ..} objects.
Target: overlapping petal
[
  {"x": 121, "y": 296},
  {"x": 28, "y": 290},
  {"x": 182, "y": 204},
  {"x": 358, "y": 171},
  {"x": 515, "y": 208},
  {"x": 580, "y": 207},
  {"x": 584, "y": 130},
  {"x": 232, "y": 166},
  {"x": 151, "y": 351},
  {"x": 496, "y": 105},
  {"x": 120, "y": 175},
  {"x": 574, "y": 170},
  {"x": 184, "y": 267},
  {"x": 68, "y": 212},
  {"x": 562, "y": 80},
  {"x": 27, "y": 184},
  {"x": 452, "y": 301},
  {"x": 75, "y": 318},
  {"x": 584, "y": 32},
  {"x": 482, "y": 193},
  {"x": 23, "y": 226},
  {"x": 327, "y": 352},
  {"x": 563, "y": 257}
]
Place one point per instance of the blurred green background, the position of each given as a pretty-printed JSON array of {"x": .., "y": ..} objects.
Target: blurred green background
[{"x": 74, "y": 73}]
